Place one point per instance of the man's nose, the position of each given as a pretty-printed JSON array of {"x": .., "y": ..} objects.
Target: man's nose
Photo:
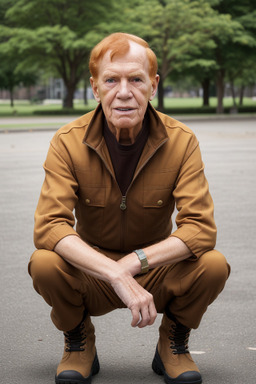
[{"x": 124, "y": 90}]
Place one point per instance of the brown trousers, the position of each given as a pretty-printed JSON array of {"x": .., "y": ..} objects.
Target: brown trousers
[{"x": 186, "y": 288}]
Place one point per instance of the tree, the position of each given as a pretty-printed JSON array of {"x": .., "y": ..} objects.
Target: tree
[
  {"x": 235, "y": 42},
  {"x": 53, "y": 34},
  {"x": 11, "y": 74},
  {"x": 241, "y": 73},
  {"x": 8, "y": 79}
]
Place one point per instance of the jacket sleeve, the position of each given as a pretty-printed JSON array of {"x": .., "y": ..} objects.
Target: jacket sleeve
[
  {"x": 54, "y": 217},
  {"x": 195, "y": 218}
]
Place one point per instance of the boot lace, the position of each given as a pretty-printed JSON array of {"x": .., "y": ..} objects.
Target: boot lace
[
  {"x": 179, "y": 339},
  {"x": 75, "y": 339}
]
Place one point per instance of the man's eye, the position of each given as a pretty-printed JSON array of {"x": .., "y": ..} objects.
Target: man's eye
[
  {"x": 137, "y": 79},
  {"x": 110, "y": 81}
]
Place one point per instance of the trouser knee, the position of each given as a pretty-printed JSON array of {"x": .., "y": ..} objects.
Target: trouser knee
[
  {"x": 202, "y": 282},
  {"x": 44, "y": 267},
  {"x": 209, "y": 276},
  {"x": 59, "y": 283},
  {"x": 50, "y": 271},
  {"x": 215, "y": 270},
  {"x": 41, "y": 265}
]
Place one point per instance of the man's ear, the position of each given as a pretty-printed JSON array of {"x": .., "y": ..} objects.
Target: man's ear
[
  {"x": 155, "y": 83},
  {"x": 95, "y": 89}
]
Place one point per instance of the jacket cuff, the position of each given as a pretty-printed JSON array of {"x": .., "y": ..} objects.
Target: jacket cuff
[
  {"x": 195, "y": 240},
  {"x": 58, "y": 233}
]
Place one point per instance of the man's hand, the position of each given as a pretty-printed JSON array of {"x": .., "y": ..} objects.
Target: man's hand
[
  {"x": 118, "y": 274},
  {"x": 137, "y": 299}
]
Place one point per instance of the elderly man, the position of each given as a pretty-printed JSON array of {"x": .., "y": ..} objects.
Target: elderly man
[{"x": 123, "y": 168}]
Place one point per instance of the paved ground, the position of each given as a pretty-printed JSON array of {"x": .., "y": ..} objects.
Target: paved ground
[
  {"x": 30, "y": 123},
  {"x": 225, "y": 344}
]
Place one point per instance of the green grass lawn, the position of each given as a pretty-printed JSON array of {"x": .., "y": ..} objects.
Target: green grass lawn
[
  {"x": 24, "y": 108},
  {"x": 196, "y": 102}
]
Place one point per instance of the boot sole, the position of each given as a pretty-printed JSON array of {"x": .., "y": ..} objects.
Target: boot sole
[
  {"x": 79, "y": 379},
  {"x": 184, "y": 378}
]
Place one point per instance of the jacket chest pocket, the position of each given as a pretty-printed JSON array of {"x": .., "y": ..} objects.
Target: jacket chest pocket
[
  {"x": 157, "y": 188},
  {"x": 157, "y": 205},
  {"x": 92, "y": 187},
  {"x": 90, "y": 213},
  {"x": 157, "y": 209},
  {"x": 91, "y": 203}
]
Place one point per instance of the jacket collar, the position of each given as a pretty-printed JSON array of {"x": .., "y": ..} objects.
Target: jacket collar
[
  {"x": 94, "y": 133},
  {"x": 94, "y": 138}
]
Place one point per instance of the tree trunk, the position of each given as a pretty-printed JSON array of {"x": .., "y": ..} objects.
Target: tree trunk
[
  {"x": 29, "y": 93},
  {"x": 11, "y": 97},
  {"x": 220, "y": 90},
  {"x": 206, "y": 92},
  {"x": 233, "y": 93},
  {"x": 160, "y": 96},
  {"x": 241, "y": 96},
  {"x": 69, "y": 97}
]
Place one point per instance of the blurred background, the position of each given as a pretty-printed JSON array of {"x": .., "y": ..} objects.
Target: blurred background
[{"x": 205, "y": 49}]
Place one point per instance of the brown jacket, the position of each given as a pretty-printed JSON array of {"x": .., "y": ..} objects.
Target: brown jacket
[{"x": 79, "y": 175}]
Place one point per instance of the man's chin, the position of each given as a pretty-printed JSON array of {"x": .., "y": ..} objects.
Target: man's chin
[{"x": 123, "y": 123}]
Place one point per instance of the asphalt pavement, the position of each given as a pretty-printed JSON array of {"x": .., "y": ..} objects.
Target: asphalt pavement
[{"x": 224, "y": 346}]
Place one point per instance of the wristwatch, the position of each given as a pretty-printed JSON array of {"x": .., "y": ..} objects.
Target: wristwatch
[{"x": 143, "y": 259}]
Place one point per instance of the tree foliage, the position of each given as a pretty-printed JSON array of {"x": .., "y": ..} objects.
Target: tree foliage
[
  {"x": 236, "y": 46},
  {"x": 53, "y": 34},
  {"x": 209, "y": 40},
  {"x": 11, "y": 72}
]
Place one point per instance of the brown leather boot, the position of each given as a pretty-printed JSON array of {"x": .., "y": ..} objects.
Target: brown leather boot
[
  {"x": 79, "y": 361},
  {"x": 172, "y": 358}
]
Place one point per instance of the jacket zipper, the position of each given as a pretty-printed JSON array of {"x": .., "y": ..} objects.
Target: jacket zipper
[
  {"x": 122, "y": 227},
  {"x": 123, "y": 198},
  {"x": 123, "y": 205}
]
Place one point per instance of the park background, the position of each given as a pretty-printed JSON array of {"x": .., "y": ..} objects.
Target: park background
[{"x": 205, "y": 48}]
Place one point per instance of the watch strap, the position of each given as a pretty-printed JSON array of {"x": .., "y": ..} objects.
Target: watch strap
[{"x": 143, "y": 259}]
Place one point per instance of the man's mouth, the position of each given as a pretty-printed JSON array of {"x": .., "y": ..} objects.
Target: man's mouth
[{"x": 124, "y": 109}]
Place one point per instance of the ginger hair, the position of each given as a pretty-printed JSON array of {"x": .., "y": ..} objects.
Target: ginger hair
[{"x": 118, "y": 45}]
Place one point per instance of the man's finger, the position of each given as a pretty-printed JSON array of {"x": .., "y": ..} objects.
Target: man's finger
[
  {"x": 148, "y": 317},
  {"x": 145, "y": 317},
  {"x": 152, "y": 312},
  {"x": 136, "y": 317}
]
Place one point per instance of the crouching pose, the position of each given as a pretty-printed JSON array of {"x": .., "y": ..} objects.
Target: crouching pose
[{"x": 103, "y": 224}]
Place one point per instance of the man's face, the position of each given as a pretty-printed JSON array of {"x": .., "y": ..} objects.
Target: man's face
[{"x": 124, "y": 88}]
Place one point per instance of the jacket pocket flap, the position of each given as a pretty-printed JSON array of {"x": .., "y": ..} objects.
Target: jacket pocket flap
[
  {"x": 93, "y": 197},
  {"x": 156, "y": 198}
]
